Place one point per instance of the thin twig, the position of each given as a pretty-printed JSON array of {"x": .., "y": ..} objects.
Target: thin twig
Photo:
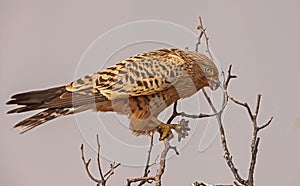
[
  {"x": 149, "y": 179},
  {"x": 229, "y": 77},
  {"x": 86, "y": 165},
  {"x": 111, "y": 171},
  {"x": 161, "y": 169},
  {"x": 174, "y": 113},
  {"x": 265, "y": 125},
  {"x": 244, "y": 105},
  {"x": 199, "y": 38},
  {"x": 255, "y": 138},
  {"x": 202, "y": 30},
  {"x": 103, "y": 178},
  {"x": 98, "y": 159},
  {"x": 206, "y": 184},
  {"x": 148, "y": 165}
]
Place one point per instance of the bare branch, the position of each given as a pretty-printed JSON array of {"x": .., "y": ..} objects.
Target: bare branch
[
  {"x": 244, "y": 105},
  {"x": 111, "y": 171},
  {"x": 255, "y": 138},
  {"x": 174, "y": 113},
  {"x": 267, "y": 124},
  {"x": 86, "y": 165},
  {"x": 148, "y": 165},
  {"x": 103, "y": 178},
  {"x": 206, "y": 184},
  {"x": 257, "y": 104},
  {"x": 229, "y": 77},
  {"x": 149, "y": 179},
  {"x": 199, "y": 38},
  {"x": 203, "y": 32},
  {"x": 98, "y": 159},
  {"x": 161, "y": 169},
  {"x": 254, "y": 151}
]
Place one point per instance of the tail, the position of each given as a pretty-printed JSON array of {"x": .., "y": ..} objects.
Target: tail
[
  {"x": 55, "y": 102},
  {"x": 34, "y": 100},
  {"x": 42, "y": 117}
]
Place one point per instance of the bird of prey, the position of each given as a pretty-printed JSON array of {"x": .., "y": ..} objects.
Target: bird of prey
[{"x": 141, "y": 86}]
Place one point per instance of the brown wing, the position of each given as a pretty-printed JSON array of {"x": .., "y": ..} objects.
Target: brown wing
[{"x": 143, "y": 74}]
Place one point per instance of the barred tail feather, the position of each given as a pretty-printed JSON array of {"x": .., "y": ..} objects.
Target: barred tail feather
[
  {"x": 42, "y": 117},
  {"x": 34, "y": 100},
  {"x": 54, "y": 102}
]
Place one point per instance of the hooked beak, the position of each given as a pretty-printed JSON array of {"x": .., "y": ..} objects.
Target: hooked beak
[{"x": 213, "y": 84}]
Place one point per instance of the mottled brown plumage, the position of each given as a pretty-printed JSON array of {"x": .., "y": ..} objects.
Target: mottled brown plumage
[{"x": 141, "y": 86}]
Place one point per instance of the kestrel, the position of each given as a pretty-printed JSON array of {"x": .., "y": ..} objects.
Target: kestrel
[{"x": 141, "y": 86}]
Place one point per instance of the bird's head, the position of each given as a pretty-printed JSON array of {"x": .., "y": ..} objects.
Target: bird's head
[
  {"x": 209, "y": 70},
  {"x": 212, "y": 75}
]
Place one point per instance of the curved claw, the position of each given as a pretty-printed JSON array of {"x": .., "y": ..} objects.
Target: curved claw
[
  {"x": 165, "y": 131},
  {"x": 182, "y": 129}
]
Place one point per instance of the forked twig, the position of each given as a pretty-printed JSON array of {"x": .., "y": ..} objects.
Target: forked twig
[
  {"x": 202, "y": 32},
  {"x": 255, "y": 138},
  {"x": 103, "y": 178},
  {"x": 161, "y": 169}
]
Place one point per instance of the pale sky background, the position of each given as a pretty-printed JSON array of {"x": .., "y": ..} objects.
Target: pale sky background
[{"x": 41, "y": 43}]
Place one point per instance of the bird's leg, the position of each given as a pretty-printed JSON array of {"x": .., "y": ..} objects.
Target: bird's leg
[{"x": 165, "y": 130}]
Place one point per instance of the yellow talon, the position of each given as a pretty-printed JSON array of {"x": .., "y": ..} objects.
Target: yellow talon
[{"x": 165, "y": 130}]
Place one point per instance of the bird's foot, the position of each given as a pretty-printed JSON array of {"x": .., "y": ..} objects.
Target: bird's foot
[{"x": 165, "y": 130}]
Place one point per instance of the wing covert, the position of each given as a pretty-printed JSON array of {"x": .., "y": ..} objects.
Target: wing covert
[{"x": 143, "y": 74}]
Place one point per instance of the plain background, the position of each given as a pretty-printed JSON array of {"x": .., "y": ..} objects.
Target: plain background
[{"x": 41, "y": 43}]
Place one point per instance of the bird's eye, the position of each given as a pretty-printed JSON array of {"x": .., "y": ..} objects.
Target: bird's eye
[{"x": 208, "y": 70}]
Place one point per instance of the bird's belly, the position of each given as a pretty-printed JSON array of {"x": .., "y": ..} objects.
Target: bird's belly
[{"x": 140, "y": 109}]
